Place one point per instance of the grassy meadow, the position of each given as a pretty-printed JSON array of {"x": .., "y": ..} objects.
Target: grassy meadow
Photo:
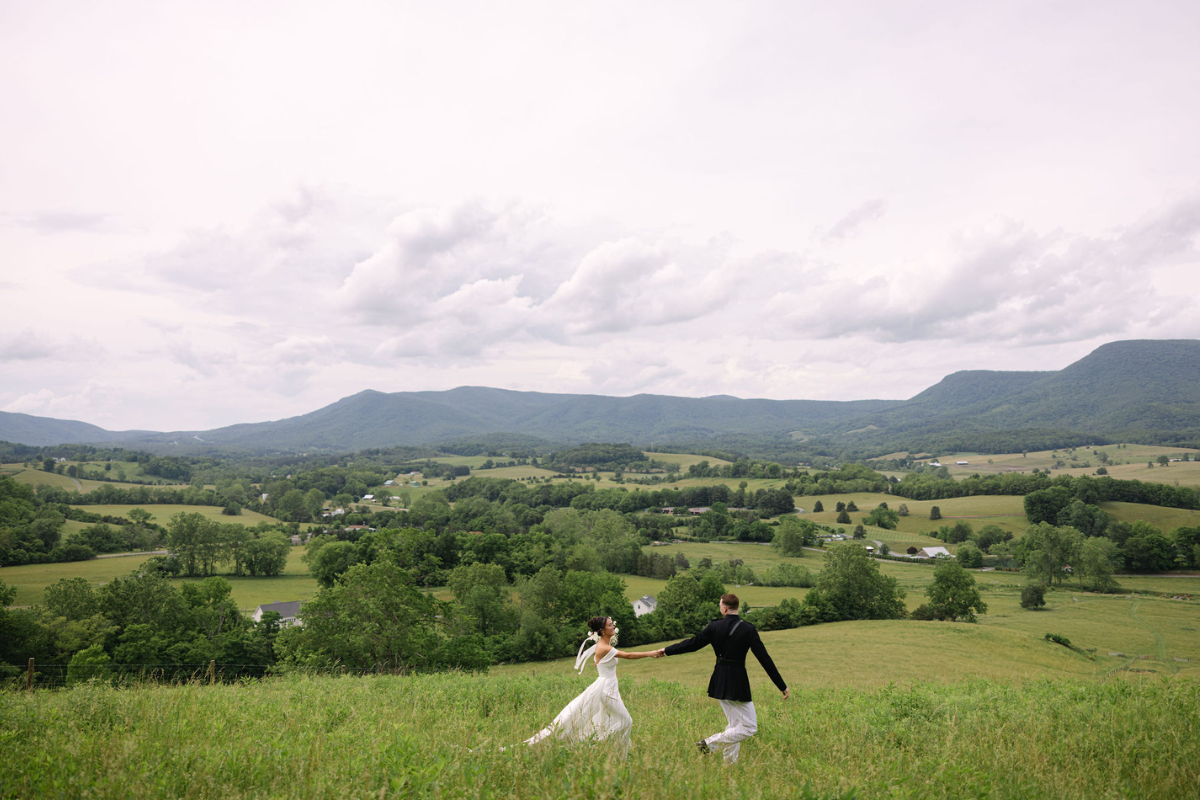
[
  {"x": 1127, "y": 463},
  {"x": 162, "y": 514},
  {"x": 887, "y": 709},
  {"x": 441, "y": 736},
  {"x": 33, "y": 477},
  {"x": 31, "y": 580}
]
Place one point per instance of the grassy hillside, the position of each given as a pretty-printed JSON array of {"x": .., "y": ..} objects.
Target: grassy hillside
[{"x": 442, "y": 736}]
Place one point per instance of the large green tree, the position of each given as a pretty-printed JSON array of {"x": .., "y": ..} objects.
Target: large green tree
[
  {"x": 1099, "y": 559},
  {"x": 953, "y": 593},
  {"x": 850, "y": 586},
  {"x": 1046, "y": 551},
  {"x": 373, "y": 617}
]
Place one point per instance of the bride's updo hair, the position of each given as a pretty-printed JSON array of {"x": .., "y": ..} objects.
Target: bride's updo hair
[{"x": 596, "y": 624}]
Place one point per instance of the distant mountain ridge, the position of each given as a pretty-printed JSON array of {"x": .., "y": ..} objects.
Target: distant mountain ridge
[{"x": 1130, "y": 386}]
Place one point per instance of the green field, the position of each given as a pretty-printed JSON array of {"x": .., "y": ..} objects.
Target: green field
[
  {"x": 441, "y": 736},
  {"x": 162, "y": 513},
  {"x": 31, "y": 580},
  {"x": 33, "y": 477},
  {"x": 684, "y": 460},
  {"x": 1128, "y": 462},
  {"x": 1007, "y": 642}
]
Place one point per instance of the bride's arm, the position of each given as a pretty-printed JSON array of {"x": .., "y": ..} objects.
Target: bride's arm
[{"x": 648, "y": 654}]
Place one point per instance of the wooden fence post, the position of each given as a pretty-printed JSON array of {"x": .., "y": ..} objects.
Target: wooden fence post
[
  {"x": 29, "y": 677},
  {"x": 212, "y": 672}
]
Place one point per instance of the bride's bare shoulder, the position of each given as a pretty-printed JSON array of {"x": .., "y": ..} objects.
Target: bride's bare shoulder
[{"x": 601, "y": 651}]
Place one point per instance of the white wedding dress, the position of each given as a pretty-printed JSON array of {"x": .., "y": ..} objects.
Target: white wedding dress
[{"x": 596, "y": 714}]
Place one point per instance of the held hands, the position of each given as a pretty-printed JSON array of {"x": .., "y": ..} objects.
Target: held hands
[{"x": 659, "y": 653}]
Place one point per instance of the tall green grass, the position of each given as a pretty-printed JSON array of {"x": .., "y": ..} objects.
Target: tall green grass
[{"x": 440, "y": 736}]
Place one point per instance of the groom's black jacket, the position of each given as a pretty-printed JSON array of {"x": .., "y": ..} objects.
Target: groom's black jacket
[{"x": 729, "y": 679}]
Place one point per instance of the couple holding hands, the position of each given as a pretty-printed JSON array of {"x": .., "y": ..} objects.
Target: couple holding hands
[{"x": 599, "y": 713}]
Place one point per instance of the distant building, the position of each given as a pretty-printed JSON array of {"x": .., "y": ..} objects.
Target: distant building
[
  {"x": 961, "y": 463},
  {"x": 287, "y": 613},
  {"x": 933, "y": 552},
  {"x": 644, "y": 605}
]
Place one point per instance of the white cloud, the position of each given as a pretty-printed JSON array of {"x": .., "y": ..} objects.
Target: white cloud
[
  {"x": 766, "y": 199},
  {"x": 1009, "y": 285},
  {"x": 856, "y": 219}
]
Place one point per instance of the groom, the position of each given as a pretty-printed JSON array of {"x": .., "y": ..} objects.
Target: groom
[{"x": 731, "y": 637}]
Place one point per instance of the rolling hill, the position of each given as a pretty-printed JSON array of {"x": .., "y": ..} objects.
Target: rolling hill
[{"x": 1137, "y": 389}]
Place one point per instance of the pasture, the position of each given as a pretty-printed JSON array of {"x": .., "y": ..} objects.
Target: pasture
[
  {"x": 681, "y": 461},
  {"x": 31, "y": 580},
  {"x": 162, "y": 514},
  {"x": 34, "y": 477},
  {"x": 443, "y": 736},
  {"x": 1128, "y": 462}
]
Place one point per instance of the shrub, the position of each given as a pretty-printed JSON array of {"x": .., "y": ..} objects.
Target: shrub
[
  {"x": 1033, "y": 596},
  {"x": 1054, "y": 637},
  {"x": 935, "y": 513},
  {"x": 72, "y": 552},
  {"x": 925, "y": 613}
]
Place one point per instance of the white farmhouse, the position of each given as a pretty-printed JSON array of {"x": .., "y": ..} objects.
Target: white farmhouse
[
  {"x": 287, "y": 613},
  {"x": 644, "y": 605}
]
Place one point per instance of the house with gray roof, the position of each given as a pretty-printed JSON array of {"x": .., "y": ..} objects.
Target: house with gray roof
[{"x": 287, "y": 612}]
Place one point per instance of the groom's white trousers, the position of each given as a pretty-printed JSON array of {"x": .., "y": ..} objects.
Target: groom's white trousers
[{"x": 743, "y": 723}]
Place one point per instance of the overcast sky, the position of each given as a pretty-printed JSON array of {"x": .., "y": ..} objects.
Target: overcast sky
[{"x": 221, "y": 212}]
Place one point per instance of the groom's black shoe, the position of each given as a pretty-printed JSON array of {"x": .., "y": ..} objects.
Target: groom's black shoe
[{"x": 703, "y": 747}]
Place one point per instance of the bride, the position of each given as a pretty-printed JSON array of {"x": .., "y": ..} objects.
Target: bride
[{"x": 598, "y": 712}]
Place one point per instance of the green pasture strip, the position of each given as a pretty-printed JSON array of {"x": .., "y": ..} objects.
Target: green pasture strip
[
  {"x": 514, "y": 473},
  {"x": 162, "y": 513},
  {"x": 441, "y": 736},
  {"x": 1168, "y": 583},
  {"x": 1177, "y": 474},
  {"x": 1128, "y": 463},
  {"x": 684, "y": 460},
  {"x": 457, "y": 461},
  {"x": 752, "y": 484},
  {"x": 755, "y": 555},
  {"x": 751, "y": 596},
  {"x": 1165, "y": 519},
  {"x": 72, "y": 527},
  {"x": 31, "y": 580},
  {"x": 33, "y": 477}
]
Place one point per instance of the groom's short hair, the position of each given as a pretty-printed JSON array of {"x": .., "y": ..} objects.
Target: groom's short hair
[{"x": 730, "y": 601}]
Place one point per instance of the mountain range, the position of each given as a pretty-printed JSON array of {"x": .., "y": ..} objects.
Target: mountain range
[{"x": 1145, "y": 388}]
